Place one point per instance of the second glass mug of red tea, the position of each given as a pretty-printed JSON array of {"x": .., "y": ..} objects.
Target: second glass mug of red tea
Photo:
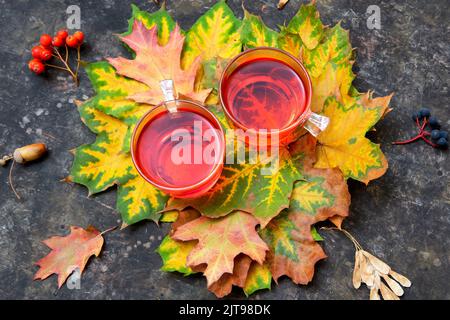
[
  {"x": 267, "y": 93},
  {"x": 179, "y": 148}
]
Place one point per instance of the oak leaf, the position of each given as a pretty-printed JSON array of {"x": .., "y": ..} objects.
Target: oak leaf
[
  {"x": 224, "y": 285},
  {"x": 220, "y": 241},
  {"x": 69, "y": 253}
]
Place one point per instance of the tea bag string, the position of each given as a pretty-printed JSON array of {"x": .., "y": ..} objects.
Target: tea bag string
[{"x": 168, "y": 91}]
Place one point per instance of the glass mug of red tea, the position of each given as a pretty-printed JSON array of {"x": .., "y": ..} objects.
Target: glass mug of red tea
[
  {"x": 179, "y": 147},
  {"x": 267, "y": 92}
]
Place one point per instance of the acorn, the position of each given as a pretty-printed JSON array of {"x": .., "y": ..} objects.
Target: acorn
[
  {"x": 23, "y": 155},
  {"x": 29, "y": 153}
]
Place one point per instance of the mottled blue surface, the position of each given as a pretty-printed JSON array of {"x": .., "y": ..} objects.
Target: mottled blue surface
[{"x": 403, "y": 217}]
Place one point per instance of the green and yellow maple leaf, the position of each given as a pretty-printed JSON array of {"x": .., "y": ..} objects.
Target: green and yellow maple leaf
[
  {"x": 326, "y": 53},
  {"x": 290, "y": 42},
  {"x": 259, "y": 277},
  {"x": 103, "y": 163},
  {"x": 138, "y": 200},
  {"x": 215, "y": 38},
  {"x": 307, "y": 25},
  {"x": 107, "y": 162},
  {"x": 335, "y": 81},
  {"x": 335, "y": 49},
  {"x": 249, "y": 188},
  {"x": 161, "y": 19},
  {"x": 214, "y": 35},
  {"x": 174, "y": 253},
  {"x": 346, "y": 147},
  {"x": 169, "y": 216},
  {"x": 220, "y": 240},
  {"x": 112, "y": 92},
  {"x": 254, "y": 33},
  {"x": 323, "y": 194}
]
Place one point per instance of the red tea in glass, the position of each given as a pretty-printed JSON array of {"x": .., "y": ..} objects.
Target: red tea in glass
[
  {"x": 179, "y": 148},
  {"x": 267, "y": 90}
]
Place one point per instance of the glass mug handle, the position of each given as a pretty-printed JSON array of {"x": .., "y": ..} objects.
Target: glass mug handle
[
  {"x": 168, "y": 91},
  {"x": 316, "y": 124}
]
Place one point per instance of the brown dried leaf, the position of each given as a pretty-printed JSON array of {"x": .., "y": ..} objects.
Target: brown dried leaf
[
  {"x": 377, "y": 280},
  {"x": 379, "y": 265},
  {"x": 374, "y": 294},
  {"x": 387, "y": 293},
  {"x": 395, "y": 287},
  {"x": 367, "y": 272},
  {"x": 357, "y": 271},
  {"x": 404, "y": 281}
]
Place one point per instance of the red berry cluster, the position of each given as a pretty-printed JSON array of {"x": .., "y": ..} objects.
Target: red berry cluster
[{"x": 50, "y": 47}]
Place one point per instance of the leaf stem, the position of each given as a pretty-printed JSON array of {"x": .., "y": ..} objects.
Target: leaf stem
[{"x": 109, "y": 230}]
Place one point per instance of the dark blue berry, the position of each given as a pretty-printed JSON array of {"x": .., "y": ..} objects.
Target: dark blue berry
[
  {"x": 434, "y": 123},
  {"x": 415, "y": 116},
  {"x": 443, "y": 134},
  {"x": 424, "y": 113},
  {"x": 435, "y": 134},
  {"x": 442, "y": 143}
]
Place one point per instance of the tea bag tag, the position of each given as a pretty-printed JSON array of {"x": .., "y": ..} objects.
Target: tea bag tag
[
  {"x": 316, "y": 124},
  {"x": 168, "y": 91}
]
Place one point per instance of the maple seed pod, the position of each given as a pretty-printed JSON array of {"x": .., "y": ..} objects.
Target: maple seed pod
[{"x": 29, "y": 153}]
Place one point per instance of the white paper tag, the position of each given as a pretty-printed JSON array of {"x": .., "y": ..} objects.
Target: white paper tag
[
  {"x": 168, "y": 91},
  {"x": 316, "y": 124}
]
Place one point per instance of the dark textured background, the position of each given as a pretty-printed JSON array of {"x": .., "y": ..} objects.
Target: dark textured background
[{"x": 404, "y": 217}]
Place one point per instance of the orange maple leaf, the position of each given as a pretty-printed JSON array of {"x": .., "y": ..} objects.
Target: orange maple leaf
[
  {"x": 154, "y": 63},
  {"x": 69, "y": 253}
]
